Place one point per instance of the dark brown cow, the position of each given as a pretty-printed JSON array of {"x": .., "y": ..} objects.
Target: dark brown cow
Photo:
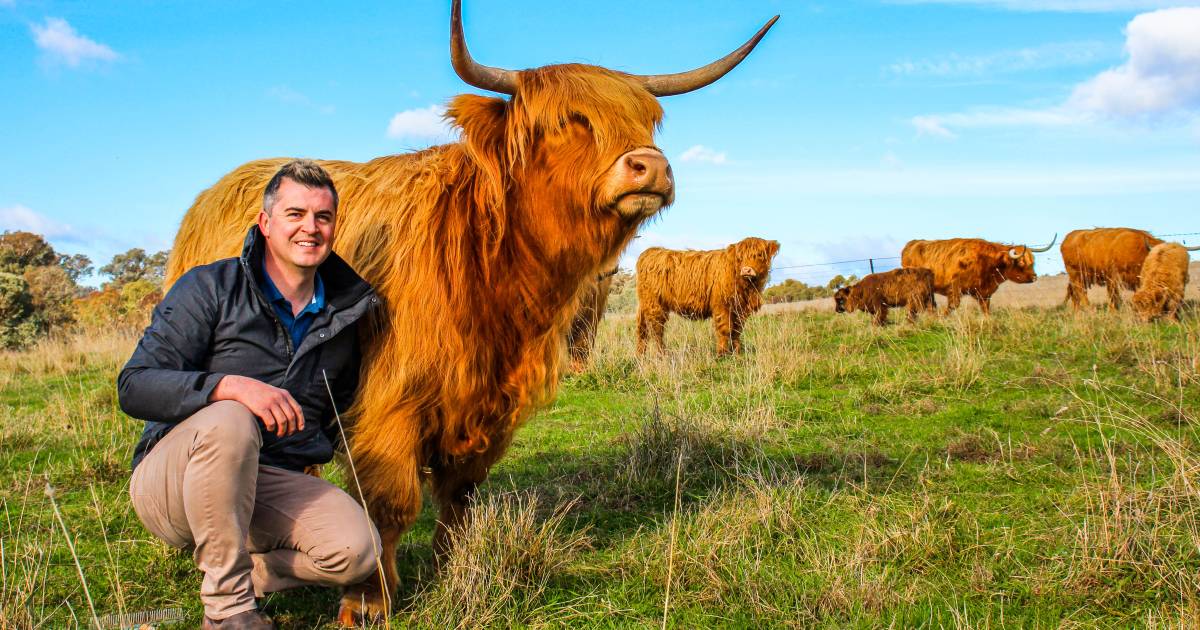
[
  {"x": 876, "y": 293},
  {"x": 478, "y": 249},
  {"x": 1109, "y": 257},
  {"x": 724, "y": 284},
  {"x": 971, "y": 266},
  {"x": 593, "y": 298}
]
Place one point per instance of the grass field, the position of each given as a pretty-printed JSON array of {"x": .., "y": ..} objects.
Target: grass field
[{"x": 1035, "y": 469}]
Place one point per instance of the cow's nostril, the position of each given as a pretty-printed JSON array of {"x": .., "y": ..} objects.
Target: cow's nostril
[{"x": 636, "y": 165}]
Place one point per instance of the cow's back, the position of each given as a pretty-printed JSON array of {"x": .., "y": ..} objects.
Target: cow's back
[
  {"x": 1093, "y": 256},
  {"x": 950, "y": 261},
  {"x": 685, "y": 282}
]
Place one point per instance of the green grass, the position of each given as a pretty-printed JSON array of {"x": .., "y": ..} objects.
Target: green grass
[{"x": 1036, "y": 469}]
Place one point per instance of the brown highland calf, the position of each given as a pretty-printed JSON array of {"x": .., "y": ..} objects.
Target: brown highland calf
[
  {"x": 911, "y": 287},
  {"x": 724, "y": 284},
  {"x": 1109, "y": 257},
  {"x": 1163, "y": 279},
  {"x": 971, "y": 266},
  {"x": 478, "y": 249}
]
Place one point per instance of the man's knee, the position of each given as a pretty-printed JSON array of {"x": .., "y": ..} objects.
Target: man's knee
[
  {"x": 229, "y": 426},
  {"x": 352, "y": 559}
]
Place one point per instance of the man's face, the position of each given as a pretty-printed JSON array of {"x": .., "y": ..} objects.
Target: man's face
[{"x": 300, "y": 227}]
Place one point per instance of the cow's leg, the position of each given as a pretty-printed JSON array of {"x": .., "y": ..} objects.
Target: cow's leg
[
  {"x": 953, "y": 297},
  {"x": 388, "y": 477},
  {"x": 1076, "y": 291},
  {"x": 454, "y": 484},
  {"x": 1114, "y": 293},
  {"x": 985, "y": 304},
  {"x": 736, "y": 325},
  {"x": 913, "y": 309},
  {"x": 881, "y": 315},
  {"x": 651, "y": 322},
  {"x": 723, "y": 327}
]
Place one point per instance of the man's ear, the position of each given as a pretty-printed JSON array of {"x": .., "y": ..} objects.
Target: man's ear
[{"x": 263, "y": 222}]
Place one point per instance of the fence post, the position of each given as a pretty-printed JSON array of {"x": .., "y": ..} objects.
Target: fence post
[{"x": 871, "y": 264}]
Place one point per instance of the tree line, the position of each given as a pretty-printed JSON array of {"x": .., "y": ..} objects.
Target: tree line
[{"x": 41, "y": 294}]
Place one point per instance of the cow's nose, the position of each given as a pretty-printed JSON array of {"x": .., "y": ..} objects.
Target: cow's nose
[
  {"x": 649, "y": 170},
  {"x": 749, "y": 272}
]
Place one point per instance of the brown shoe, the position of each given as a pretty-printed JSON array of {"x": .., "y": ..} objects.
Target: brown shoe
[{"x": 249, "y": 620}]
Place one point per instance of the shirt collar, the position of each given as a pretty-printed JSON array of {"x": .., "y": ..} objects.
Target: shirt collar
[{"x": 274, "y": 296}]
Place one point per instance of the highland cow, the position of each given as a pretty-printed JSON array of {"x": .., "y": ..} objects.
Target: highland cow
[
  {"x": 971, "y": 266},
  {"x": 876, "y": 293},
  {"x": 1163, "y": 278},
  {"x": 724, "y": 284},
  {"x": 478, "y": 249},
  {"x": 581, "y": 336},
  {"x": 1109, "y": 257}
]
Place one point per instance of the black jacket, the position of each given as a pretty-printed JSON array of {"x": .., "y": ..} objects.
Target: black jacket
[{"x": 215, "y": 321}]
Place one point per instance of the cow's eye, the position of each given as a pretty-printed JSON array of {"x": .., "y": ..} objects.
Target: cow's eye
[{"x": 581, "y": 120}]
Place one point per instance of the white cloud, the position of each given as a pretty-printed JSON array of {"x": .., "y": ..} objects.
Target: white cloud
[
  {"x": 701, "y": 153},
  {"x": 1161, "y": 75},
  {"x": 426, "y": 124},
  {"x": 1007, "y": 61},
  {"x": 21, "y": 218},
  {"x": 61, "y": 43},
  {"x": 1067, "y": 6},
  {"x": 1160, "y": 79}
]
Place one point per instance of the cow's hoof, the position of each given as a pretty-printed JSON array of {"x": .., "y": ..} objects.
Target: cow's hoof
[{"x": 357, "y": 612}]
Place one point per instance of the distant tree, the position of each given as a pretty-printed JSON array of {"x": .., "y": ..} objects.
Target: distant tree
[
  {"x": 17, "y": 327},
  {"x": 51, "y": 291},
  {"x": 136, "y": 264},
  {"x": 836, "y": 282},
  {"x": 20, "y": 250},
  {"x": 791, "y": 290},
  {"x": 76, "y": 265}
]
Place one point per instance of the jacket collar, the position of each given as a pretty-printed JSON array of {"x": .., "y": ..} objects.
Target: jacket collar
[{"x": 343, "y": 287}]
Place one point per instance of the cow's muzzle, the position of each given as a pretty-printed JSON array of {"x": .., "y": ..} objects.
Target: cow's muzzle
[{"x": 643, "y": 181}]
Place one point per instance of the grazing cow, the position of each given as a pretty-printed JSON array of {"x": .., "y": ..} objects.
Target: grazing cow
[
  {"x": 911, "y": 287},
  {"x": 1164, "y": 276},
  {"x": 724, "y": 284},
  {"x": 1109, "y": 257},
  {"x": 593, "y": 298},
  {"x": 972, "y": 266},
  {"x": 478, "y": 249}
]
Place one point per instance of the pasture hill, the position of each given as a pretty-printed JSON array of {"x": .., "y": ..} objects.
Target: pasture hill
[{"x": 1034, "y": 469}]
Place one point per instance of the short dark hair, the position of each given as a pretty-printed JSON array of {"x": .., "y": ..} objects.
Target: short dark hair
[{"x": 306, "y": 172}]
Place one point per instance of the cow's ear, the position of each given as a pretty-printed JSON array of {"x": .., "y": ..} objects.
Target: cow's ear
[
  {"x": 773, "y": 248},
  {"x": 481, "y": 120}
]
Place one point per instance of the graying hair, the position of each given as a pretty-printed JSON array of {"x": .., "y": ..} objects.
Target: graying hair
[{"x": 306, "y": 172}]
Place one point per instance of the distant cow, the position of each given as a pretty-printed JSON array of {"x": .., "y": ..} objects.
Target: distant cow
[
  {"x": 592, "y": 300},
  {"x": 1164, "y": 276},
  {"x": 972, "y": 266},
  {"x": 724, "y": 284},
  {"x": 1109, "y": 257},
  {"x": 912, "y": 287}
]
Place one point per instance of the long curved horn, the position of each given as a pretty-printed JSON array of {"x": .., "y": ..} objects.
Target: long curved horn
[
  {"x": 1192, "y": 249},
  {"x": 476, "y": 74},
  {"x": 681, "y": 82},
  {"x": 1038, "y": 250}
]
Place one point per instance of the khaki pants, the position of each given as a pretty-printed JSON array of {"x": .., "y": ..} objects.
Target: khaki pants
[{"x": 255, "y": 529}]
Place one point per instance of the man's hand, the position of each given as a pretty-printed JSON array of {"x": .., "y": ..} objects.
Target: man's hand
[{"x": 279, "y": 412}]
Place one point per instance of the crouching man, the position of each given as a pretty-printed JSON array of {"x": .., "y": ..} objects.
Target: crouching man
[{"x": 230, "y": 378}]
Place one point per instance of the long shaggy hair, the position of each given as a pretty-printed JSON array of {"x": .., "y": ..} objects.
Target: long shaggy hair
[
  {"x": 478, "y": 249},
  {"x": 724, "y": 284},
  {"x": 1109, "y": 257},
  {"x": 970, "y": 266},
  {"x": 1163, "y": 279},
  {"x": 877, "y": 292},
  {"x": 591, "y": 301}
]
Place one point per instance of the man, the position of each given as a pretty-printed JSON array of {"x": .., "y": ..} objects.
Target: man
[{"x": 234, "y": 378}]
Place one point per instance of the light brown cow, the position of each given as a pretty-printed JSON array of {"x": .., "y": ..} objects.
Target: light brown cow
[
  {"x": 724, "y": 284},
  {"x": 971, "y": 266},
  {"x": 1109, "y": 257},
  {"x": 877, "y": 292},
  {"x": 1163, "y": 279},
  {"x": 478, "y": 248}
]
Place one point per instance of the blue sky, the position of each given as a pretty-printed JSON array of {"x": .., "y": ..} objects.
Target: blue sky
[{"x": 854, "y": 127}]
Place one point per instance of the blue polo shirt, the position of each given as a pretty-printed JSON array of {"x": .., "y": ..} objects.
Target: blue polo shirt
[{"x": 296, "y": 325}]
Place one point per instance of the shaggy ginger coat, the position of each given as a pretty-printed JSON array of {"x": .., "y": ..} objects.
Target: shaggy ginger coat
[
  {"x": 724, "y": 284},
  {"x": 1163, "y": 278}
]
